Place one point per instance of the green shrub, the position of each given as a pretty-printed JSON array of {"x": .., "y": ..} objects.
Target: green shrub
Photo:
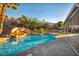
[{"x": 42, "y": 30}]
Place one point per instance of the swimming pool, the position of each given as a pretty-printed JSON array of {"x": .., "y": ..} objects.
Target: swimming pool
[{"x": 27, "y": 42}]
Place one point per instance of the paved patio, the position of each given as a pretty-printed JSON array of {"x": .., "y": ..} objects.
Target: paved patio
[
  {"x": 59, "y": 47},
  {"x": 75, "y": 42}
]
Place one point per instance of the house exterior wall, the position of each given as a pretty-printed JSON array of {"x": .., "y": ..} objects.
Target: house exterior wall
[{"x": 73, "y": 22}]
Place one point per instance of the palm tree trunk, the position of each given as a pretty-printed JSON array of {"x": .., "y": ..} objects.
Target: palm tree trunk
[
  {"x": 2, "y": 17},
  {"x": 1, "y": 28},
  {"x": 35, "y": 28}
]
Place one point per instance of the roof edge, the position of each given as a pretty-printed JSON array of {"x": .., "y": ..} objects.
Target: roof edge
[{"x": 75, "y": 5}]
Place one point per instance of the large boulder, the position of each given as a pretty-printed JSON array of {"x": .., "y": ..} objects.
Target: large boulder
[{"x": 19, "y": 31}]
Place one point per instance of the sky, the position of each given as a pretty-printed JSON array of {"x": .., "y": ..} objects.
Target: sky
[{"x": 51, "y": 12}]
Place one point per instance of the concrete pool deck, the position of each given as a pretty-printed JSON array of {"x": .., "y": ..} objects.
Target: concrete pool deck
[
  {"x": 65, "y": 35},
  {"x": 59, "y": 47}
]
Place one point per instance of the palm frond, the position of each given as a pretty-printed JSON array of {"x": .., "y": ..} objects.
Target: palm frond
[{"x": 13, "y": 5}]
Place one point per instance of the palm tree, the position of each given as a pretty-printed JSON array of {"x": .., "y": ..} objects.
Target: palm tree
[
  {"x": 35, "y": 23},
  {"x": 4, "y": 7},
  {"x": 25, "y": 20}
]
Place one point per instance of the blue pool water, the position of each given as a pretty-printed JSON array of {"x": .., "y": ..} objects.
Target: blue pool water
[{"x": 26, "y": 43}]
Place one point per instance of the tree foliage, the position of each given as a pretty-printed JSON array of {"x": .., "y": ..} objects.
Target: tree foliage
[
  {"x": 5, "y": 6},
  {"x": 60, "y": 24}
]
